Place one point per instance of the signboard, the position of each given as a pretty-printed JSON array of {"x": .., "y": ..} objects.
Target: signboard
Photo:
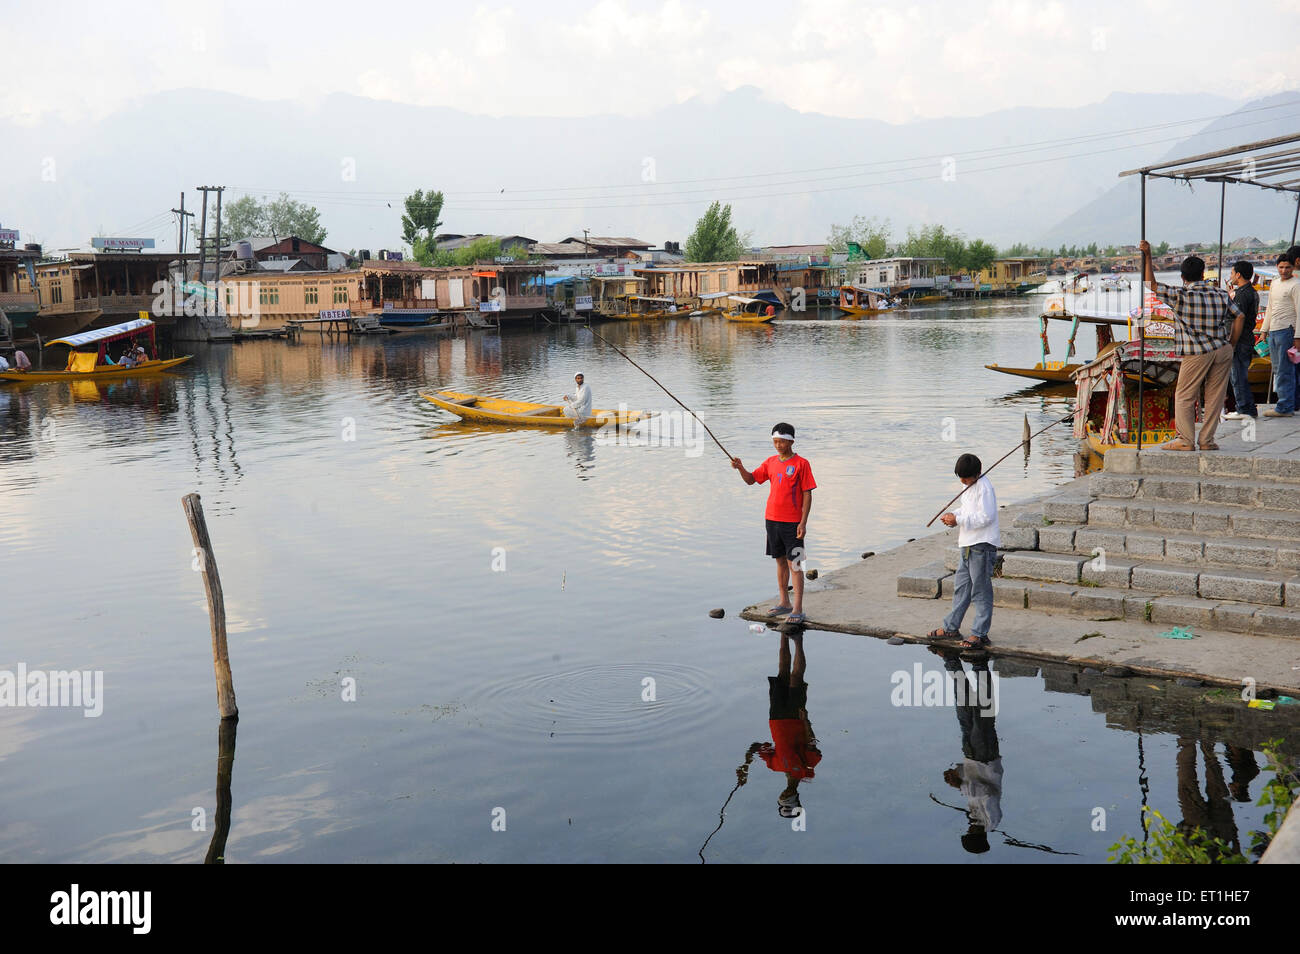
[
  {"x": 1159, "y": 328},
  {"x": 121, "y": 243},
  {"x": 394, "y": 256},
  {"x": 336, "y": 314},
  {"x": 504, "y": 259},
  {"x": 492, "y": 304},
  {"x": 8, "y": 236},
  {"x": 582, "y": 303}
]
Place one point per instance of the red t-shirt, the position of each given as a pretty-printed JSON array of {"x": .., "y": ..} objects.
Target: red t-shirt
[
  {"x": 791, "y": 751},
  {"x": 790, "y": 478}
]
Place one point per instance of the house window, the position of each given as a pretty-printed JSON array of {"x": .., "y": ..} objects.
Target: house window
[
  {"x": 310, "y": 295},
  {"x": 340, "y": 294},
  {"x": 56, "y": 293}
]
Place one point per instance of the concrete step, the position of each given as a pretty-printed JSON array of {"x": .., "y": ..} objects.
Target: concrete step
[
  {"x": 1126, "y": 460},
  {"x": 1192, "y": 516},
  {"x": 1169, "y": 546},
  {"x": 1242, "y": 492},
  {"x": 1212, "y": 582},
  {"x": 1160, "y": 610}
]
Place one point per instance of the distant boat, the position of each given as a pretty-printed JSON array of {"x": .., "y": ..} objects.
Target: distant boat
[
  {"x": 750, "y": 310},
  {"x": 489, "y": 410}
]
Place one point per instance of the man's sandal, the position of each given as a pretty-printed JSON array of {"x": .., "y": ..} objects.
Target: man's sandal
[{"x": 943, "y": 634}]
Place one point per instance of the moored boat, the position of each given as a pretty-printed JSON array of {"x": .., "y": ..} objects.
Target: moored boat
[
  {"x": 490, "y": 410},
  {"x": 98, "y": 364},
  {"x": 860, "y": 300},
  {"x": 750, "y": 310}
]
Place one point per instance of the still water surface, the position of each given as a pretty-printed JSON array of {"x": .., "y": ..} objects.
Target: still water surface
[{"x": 500, "y": 597}]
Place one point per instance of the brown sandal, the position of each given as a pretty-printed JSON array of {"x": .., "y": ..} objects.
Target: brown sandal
[{"x": 943, "y": 634}]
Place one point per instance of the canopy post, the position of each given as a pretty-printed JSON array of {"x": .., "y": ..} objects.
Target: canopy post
[
  {"x": 1142, "y": 323},
  {"x": 1295, "y": 221},
  {"x": 1223, "y": 195}
]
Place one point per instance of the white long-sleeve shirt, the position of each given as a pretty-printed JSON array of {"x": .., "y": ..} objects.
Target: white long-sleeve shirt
[
  {"x": 579, "y": 405},
  {"x": 977, "y": 517},
  {"x": 1283, "y": 307}
]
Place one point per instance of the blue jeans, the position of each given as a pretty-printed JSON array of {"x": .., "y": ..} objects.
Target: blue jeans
[
  {"x": 973, "y": 584},
  {"x": 1242, "y": 355},
  {"x": 1283, "y": 371}
]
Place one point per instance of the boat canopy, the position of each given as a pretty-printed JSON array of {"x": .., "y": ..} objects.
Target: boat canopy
[
  {"x": 125, "y": 330},
  {"x": 749, "y": 301},
  {"x": 1088, "y": 319},
  {"x": 668, "y": 301},
  {"x": 714, "y": 296}
]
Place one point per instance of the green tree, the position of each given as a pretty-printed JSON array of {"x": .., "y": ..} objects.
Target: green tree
[
  {"x": 422, "y": 211},
  {"x": 715, "y": 238},
  {"x": 869, "y": 234},
  {"x": 1162, "y": 249},
  {"x": 980, "y": 255},
  {"x": 244, "y": 217},
  {"x": 934, "y": 241},
  {"x": 285, "y": 216}
]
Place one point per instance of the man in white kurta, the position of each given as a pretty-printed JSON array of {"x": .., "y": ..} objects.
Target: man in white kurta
[{"x": 578, "y": 405}]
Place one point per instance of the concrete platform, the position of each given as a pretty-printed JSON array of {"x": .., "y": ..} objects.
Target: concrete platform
[{"x": 863, "y": 599}]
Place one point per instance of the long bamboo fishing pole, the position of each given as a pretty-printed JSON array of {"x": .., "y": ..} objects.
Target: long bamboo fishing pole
[
  {"x": 1023, "y": 443},
  {"x": 665, "y": 390}
]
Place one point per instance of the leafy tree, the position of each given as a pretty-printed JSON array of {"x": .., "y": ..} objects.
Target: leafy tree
[
  {"x": 715, "y": 238},
  {"x": 1162, "y": 248},
  {"x": 869, "y": 234},
  {"x": 979, "y": 255},
  {"x": 246, "y": 217},
  {"x": 934, "y": 241},
  {"x": 422, "y": 213}
]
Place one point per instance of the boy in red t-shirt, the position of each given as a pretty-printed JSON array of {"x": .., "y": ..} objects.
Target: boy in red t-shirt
[{"x": 789, "y": 501}]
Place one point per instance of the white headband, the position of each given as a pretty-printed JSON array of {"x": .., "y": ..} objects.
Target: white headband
[{"x": 784, "y": 436}]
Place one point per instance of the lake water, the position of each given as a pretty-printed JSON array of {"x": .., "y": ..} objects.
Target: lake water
[{"x": 500, "y": 597}]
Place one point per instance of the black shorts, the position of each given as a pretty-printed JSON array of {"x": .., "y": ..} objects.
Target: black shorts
[
  {"x": 782, "y": 542},
  {"x": 784, "y": 702}
]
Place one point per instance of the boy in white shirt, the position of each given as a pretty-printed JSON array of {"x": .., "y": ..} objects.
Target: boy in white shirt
[{"x": 979, "y": 538}]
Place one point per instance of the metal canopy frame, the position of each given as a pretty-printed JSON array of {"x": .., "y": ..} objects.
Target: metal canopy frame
[{"x": 1261, "y": 164}]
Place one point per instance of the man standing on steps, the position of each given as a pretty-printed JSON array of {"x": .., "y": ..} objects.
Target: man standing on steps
[
  {"x": 1203, "y": 341},
  {"x": 1246, "y": 298},
  {"x": 1279, "y": 332}
]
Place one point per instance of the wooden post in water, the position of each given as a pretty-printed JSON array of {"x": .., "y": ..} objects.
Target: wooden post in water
[
  {"x": 216, "y": 605},
  {"x": 225, "y": 767}
]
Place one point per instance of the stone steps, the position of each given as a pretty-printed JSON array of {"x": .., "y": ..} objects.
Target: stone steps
[
  {"x": 1172, "y": 488},
  {"x": 1126, "y": 460},
  {"x": 1169, "y": 546},
  {"x": 1223, "y": 583},
  {"x": 1101, "y": 603}
]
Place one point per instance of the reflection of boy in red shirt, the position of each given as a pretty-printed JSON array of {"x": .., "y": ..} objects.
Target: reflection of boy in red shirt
[
  {"x": 789, "y": 501},
  {"x": 793, "y": 750}
]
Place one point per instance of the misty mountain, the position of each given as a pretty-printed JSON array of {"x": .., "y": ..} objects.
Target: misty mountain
[
  {"x": 1181, "y": 213},
  {"x": 1005, "y": 176}
]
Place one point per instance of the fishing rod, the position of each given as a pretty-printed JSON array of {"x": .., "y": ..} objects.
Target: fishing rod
[
  {"x": 665, "y": 390},
  {"x": 1023, "y": 443},
  {"x": 742, "y": 775}
]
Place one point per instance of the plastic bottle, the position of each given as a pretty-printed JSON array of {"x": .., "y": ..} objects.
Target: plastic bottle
[{"x": 757, "y": 628}]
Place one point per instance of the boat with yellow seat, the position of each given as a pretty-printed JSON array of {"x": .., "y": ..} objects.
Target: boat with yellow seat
[
  {"x": 750, "y": 310},
  {"x": 96, "y": 364},
  {"x": 490, "y": 410}
]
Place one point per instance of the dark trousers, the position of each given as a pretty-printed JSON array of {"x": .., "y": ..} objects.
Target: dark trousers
[{"x": 1242, "y": 355}]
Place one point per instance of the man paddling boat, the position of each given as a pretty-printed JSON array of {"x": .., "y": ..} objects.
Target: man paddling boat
[{"x": 789, "y": 502}]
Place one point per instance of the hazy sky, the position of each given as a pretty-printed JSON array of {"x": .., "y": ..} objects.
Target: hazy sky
[{"x": 889, "y": 61}]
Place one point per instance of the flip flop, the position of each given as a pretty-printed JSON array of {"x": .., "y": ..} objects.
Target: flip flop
[
  {"x": 975, "y": 642},
  {"x": 944, "y": 634},
  {"x": 796, "y": 618},
  {"x": 779, "y": 610}
]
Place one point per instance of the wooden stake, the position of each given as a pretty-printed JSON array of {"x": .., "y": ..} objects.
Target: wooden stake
[
  {"x": 216, "y": 605},
  {"x": 225, "y": 767}
]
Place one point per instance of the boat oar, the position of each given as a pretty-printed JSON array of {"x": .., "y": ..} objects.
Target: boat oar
[
  {"x": 665, "y": 390},
  {"x": 1023, "y": 443}
]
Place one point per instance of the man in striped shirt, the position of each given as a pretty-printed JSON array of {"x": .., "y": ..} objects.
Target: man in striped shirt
[{"x": 1208, "y": 325}]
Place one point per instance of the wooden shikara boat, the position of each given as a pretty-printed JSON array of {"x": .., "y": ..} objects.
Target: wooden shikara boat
[
  {"x": 857, "y": 300},
  {"x": 751, "y": 310},
  {"x": 96, "y": 365},
  {"x": 489, "y": 410},
  {"x": 1107, "y": 411}
]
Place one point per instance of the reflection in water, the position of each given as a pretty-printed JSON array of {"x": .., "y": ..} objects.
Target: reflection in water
[
  {"x": 225, "y": 767},
  {"x": 793, "y": 750},
  {"x": 1213, "y": 810},
  {"x": 979, "y": 775},
  {"x": 580, "y": 445}
]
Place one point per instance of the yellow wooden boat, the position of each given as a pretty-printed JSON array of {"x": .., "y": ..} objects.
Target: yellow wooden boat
[
  {"x": 489, "y": 410},
  {"x": 751, "y": 310},
  {"x": 96, "y": 365},
  {"x": 858, "y": 300}
]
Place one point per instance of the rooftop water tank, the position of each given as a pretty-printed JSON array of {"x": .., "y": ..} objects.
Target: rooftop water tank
[{"x": 244, "y": 250}]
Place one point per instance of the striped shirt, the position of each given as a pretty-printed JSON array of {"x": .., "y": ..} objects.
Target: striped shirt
[{"x": 1205, "y": 316}]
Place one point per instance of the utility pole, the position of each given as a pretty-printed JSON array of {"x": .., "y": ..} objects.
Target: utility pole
[
  {"x": 180, "y": 241},
  {"x": 585, "y": 244},
  {"x": 203, "y": 233},
  {"x": 216, "y": 254}
]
